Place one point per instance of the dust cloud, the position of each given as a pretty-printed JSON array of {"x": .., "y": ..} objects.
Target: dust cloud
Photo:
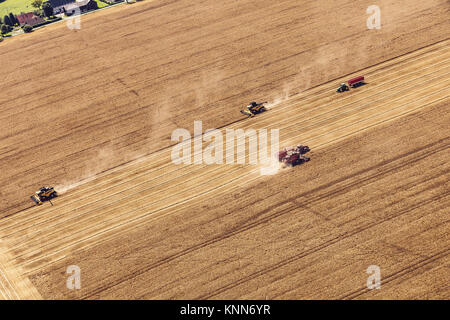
[{"x": 101, "y": 161}]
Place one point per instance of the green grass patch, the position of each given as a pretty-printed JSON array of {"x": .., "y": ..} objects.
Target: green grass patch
[
  {"x": 15, "y": 6},
  {"x": 101, "y": 4}
]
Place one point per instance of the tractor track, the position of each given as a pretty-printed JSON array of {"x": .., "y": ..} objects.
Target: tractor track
[
  {"x": 314, "y": 250},
  {"x": 396, "y": 275},
  {"x": 245, "y": 228},
  {"x": 255, "y": 224}
]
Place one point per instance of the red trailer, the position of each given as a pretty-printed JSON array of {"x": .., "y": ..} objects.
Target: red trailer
[{"x": 356, "y": 81}]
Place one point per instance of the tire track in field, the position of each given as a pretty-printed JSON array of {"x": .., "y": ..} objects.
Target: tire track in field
[
  {"x": 287, "y": 202},
  {"x": 320, "y": 247},
  {"x": 416, "y": 265},
  {"x": 290, "y": 209}
]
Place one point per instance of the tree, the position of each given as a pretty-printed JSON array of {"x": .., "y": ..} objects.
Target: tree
[
  {"x": 4, "y": 29},
  {"x": 8, "y": 21},
  {"x": 37, "y": 4},
  {"x": 39, "y": 13},
  {"x": 27, "y": 28},
  {"x": 48, "y": 9},
  {"x": 13, "y": 19}
]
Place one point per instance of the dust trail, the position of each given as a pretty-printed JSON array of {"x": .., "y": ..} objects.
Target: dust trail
[
  {"x": 174, "y": 94},
  {"x": 103, "y": 160},
  {"x": 300, "y": 83},
  {"x": 278, "y": 99},
  {"x": 271, "y": 168},
  {"x": 208, "y": 87},
  {"x": 63, "y": 188}
]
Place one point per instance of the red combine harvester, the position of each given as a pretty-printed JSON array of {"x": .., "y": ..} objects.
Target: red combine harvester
[{"x": 293, "y": 156}]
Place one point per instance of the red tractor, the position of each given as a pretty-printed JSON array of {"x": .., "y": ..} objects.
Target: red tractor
[{"x": 293, "y": 156}]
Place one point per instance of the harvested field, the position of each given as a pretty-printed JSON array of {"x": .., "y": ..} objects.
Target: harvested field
[{"x": 375, "y": 193}]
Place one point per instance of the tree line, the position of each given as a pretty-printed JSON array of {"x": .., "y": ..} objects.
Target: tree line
[{"x": 9, "y": 21}]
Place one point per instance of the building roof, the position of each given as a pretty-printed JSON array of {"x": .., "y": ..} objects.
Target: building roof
[
  {"x": 29, "y": 18},
  {"x": 59, "y": 3},
  {"x": 77, "y": 4}
]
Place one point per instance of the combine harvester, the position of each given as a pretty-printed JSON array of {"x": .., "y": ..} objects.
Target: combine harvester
[
  {"x": 293, "y": 156},
  {"x": 353, "y": 83},
  {"x": 44, "y": 194},
  {"x": 254, "y": 108}
]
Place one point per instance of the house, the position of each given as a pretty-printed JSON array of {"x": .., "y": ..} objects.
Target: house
[
  {"x": 70, "y": 7},
  {"x": 82, "y": 6},
  {"x": 79, "y": 7},
  {"x": 58, "y": 5},
  {"x": 29, "y": 18}
]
